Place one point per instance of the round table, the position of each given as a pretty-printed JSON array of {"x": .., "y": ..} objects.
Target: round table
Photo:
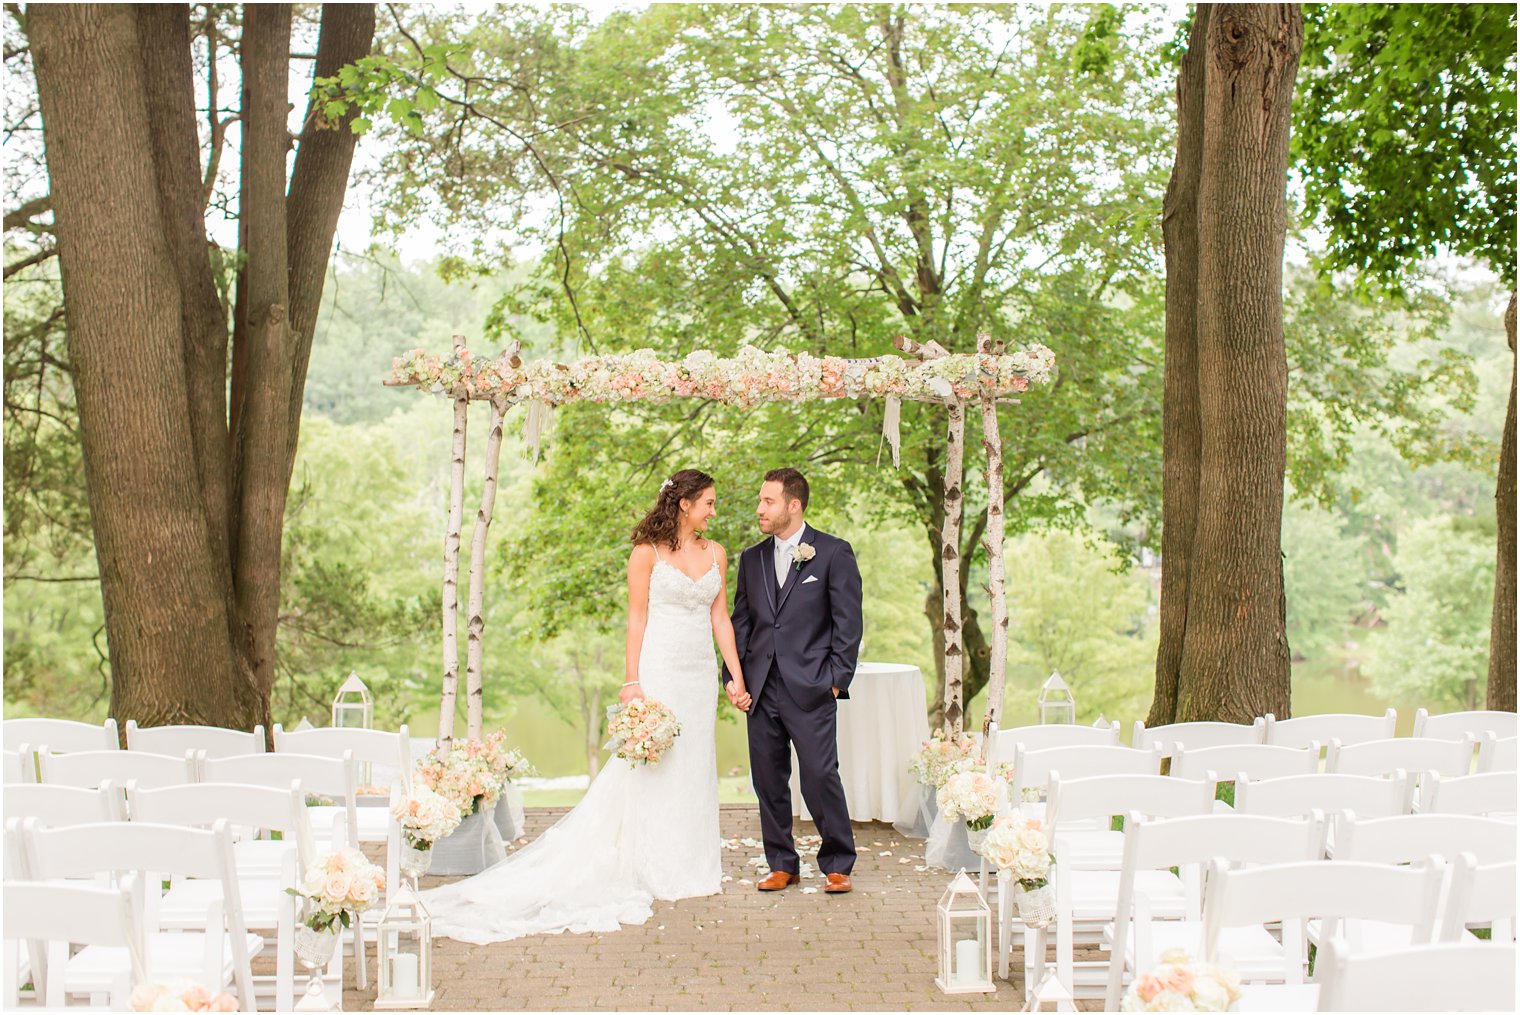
[{"x": 881, "y": 724}]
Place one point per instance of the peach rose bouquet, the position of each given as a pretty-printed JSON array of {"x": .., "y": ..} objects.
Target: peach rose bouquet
[
  {"x": 338, "y": 887},
  {"x": 179, "y": 995},
  {"x": 1179, "y": 983},
  {"x": 642, "y": 731}
]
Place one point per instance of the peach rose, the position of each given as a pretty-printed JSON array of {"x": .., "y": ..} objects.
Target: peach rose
[
  {"x": 1180, "y": 979},
  {"x": 223, "y": 1002},
  {"x": 196, "y": 998},
  {"x": 1148, "y": 987}
]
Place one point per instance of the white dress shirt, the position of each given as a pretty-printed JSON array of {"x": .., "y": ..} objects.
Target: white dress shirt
[{"x": 784, "y": 548}]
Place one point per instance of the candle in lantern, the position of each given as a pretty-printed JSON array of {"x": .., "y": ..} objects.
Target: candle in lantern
[
  {"x": 404, "y": 977},
  {"x": 968, "y": 962}
]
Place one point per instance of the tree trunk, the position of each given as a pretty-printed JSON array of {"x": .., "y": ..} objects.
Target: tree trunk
[
  {"x": 950, "y": 555},
  {"x": 1180, "y": 428},
  {"x": 1234, "y": 663},
  {"x": 166, "y": 606},
  {"x": 187, "y": 486},
  {"x": 1501, "y": 646},
  {"x": 477, "y": 621}
]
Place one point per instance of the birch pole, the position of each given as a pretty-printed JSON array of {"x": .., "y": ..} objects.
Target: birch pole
[
  {"x": 992, "y": 443},
  {"x": 473, "y": 682},
  {"x": 950, "y": 541},
  {"x": 451, "y": 568}
]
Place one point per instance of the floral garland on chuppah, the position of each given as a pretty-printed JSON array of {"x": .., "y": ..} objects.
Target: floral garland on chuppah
[
  {"x": 750, "y": 377},
  {"x": 745, "y": 379}
]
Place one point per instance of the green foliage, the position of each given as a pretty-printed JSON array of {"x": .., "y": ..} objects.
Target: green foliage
[
  {"x": 1325, "y": 577},
  {"x": 1082, "y": 616},
  {"x": 1404, "y": 134},
  {"x": 1438, "y": 626}
]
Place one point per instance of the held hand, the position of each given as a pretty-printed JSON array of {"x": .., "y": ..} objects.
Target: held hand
[
  {"x": 737, "y": 695},
  {"x": 629, "y": 692},
  {"x": 836, "y": 692}
]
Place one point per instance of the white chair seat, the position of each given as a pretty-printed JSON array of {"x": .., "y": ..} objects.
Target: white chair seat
[
  {"x": 1254, "y": 953},
  {"x": 185, "y": 905},
  {"x": 1093, "y": 894},
  {"x": 260, "y": 858},
  {"x": 1278, "y": 997},
  {"x": 374, "y": 822},
  {"x": 1090, "y": 847},
  {"x": 169, "y": 956},
  {"x": 1367, "y": 935}
]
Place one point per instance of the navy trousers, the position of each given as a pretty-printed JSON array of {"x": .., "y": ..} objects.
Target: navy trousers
[{"x": 776, "y": 724}]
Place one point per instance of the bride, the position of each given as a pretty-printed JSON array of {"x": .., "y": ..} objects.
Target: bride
[{"x": 641, "y": 832}]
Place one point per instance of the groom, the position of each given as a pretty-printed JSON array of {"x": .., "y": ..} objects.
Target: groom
[{"x": 797, "y": 627}]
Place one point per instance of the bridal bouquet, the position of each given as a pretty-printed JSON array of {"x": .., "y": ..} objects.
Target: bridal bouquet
[
  {"x": 1181, "y": 984},
  {"x": 339, "y": 887},
  {"x": 463, "y": 776},
  {"x": 425, "y": 817},
  {"x": 179, "y": 995},
  {"x": 970, "y": 795},
  {"x": 641, "y": 731},
  {"x": 942, "y": 756}
]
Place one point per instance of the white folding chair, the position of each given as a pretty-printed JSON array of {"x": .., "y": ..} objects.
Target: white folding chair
[
  {"x": 1347, "y": 727},
  {"x": 1196, "y": 735},
  {"x": 1327, "y": 793},
  {"x": 1088, "y": 865},
  {"x": 216, "y": 955},
  {"x": 258, "y": 811},
  {"x": 1490, "y": 794},
  {"x": 1476, "y": 976},
  {"x": 1234, "y": 762},
  {"x": 1459, "y": 725},
  {"x": 332, "y": 826},
  {"x": 1003, "y": 743},
  {"x": 18, "y": 766},
  {"x": 1496, "y": 754},
  {"x": 53, "y": 916},
  {"x": 1032, "y": 768},
  {"x": 89, "y": 769},
  {"x": 62, "y": 736},
  {"x": 1409, "y": 838},
  {"x": 1413, "y": 755},
  {"x": 212, "y": 741},
  {"x": 379, "y": 754},
  {"x": 1137, "y": 938},
  {"x": 54, "y": 805},
  {"x": 1294, "y": 893},
  {"x": 1480, "y": 896}
]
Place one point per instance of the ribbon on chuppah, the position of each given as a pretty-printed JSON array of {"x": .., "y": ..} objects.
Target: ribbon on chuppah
[
  {"x": 891, "y": 429},
  {"x": 533, "y": 426}
]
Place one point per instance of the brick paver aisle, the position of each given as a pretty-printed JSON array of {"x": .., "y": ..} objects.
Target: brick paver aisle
[{"x": 871, "y": 949}]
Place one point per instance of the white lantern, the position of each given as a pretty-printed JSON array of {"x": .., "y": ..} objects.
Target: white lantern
[
  {"x": 405, "y": 952},
  {"x": 965, "y": 939},
  {"x": 1056, "y": 702},
  {"x": 352, "y": 707}
]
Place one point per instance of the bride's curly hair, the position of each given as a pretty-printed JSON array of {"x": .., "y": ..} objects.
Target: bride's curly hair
[{"x": 662, "y": 525}]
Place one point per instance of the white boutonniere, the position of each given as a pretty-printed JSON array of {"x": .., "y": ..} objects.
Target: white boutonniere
[{"x": 801, "y": 554}]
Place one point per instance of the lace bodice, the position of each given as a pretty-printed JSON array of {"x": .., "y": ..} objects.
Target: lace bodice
[{"x": 670, "y": 588}]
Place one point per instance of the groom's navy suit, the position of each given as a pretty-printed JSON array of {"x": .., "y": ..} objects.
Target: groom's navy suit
[{"x": 796, "y": 643}]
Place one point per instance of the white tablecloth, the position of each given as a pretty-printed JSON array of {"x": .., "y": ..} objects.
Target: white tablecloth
[{"x": 880, "y": 726}]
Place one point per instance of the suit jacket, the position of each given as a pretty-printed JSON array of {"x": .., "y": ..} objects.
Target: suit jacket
[{"x": 810, "y": 629}]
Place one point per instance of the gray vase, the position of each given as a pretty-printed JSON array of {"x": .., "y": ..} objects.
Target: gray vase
[
  {"x": 464, "y": 850},
  {"x": 508, "y": 815}
]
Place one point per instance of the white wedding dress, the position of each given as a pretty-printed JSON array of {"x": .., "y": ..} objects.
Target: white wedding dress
[{"x": 641, "y": 832}]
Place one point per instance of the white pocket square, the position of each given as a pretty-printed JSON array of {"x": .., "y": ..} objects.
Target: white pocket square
[{"x": 810, "y": 578}]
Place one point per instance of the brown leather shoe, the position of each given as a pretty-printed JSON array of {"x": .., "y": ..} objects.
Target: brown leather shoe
[
  {"x": 776, "y": 880},
  {"x": 837, "y": 884}
]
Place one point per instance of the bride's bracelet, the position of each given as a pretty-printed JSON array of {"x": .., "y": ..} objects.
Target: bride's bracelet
[{"x": 630, "y": 683}]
